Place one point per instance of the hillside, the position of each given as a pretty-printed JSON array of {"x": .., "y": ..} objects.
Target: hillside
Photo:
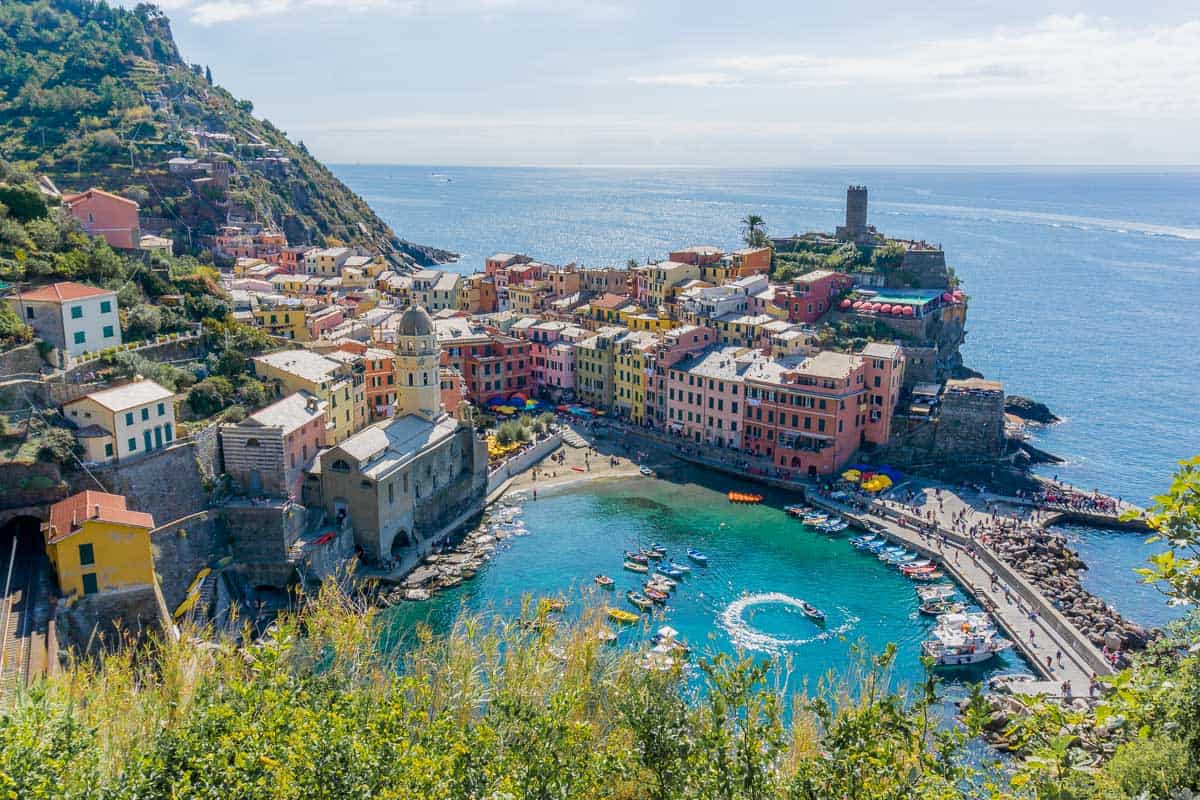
[{"x": 93, "y": 95}]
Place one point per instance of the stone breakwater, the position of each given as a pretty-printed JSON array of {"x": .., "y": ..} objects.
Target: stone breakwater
[
  {"x": 1046, "y": 561},
  {"x": 461, "y": 561}
]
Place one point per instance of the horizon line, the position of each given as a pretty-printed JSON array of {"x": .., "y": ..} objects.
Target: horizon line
[{"x": 947, "y": 167}]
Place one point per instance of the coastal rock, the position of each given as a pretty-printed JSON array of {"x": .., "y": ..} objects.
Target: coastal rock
[{"x": 1029, "y": 410}]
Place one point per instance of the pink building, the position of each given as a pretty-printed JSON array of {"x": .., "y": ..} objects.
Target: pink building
[
  {"x": 706, "y": 395},
  {"x": 885, "y": 377},
  {"x": 267, "y": 452},
  {"x": 323, "y": 320},
  {"x": 674, "y": 346},
  {"x": 106, "y": 215},
  {"x": 809, "y": 416},
  {"x": 553, "y": 372},
  {"x": 810, "y": 296}
]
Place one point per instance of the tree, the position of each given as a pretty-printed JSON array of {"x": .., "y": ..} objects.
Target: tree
[
  {"x": 1175, "y": 519},
  {"x": 12, "y": 329},
  {"x": 253, "y": 394},
  {"x": 209, "y": 396},
  {"x": 58, "y": 447},
  {"x": 208, "y": 75},
  {"x": 754, "y": 232},
  {"x": 143, "y": 321}
]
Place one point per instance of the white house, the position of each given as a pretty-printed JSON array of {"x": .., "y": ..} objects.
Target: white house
[
  {"x": 116, "y": 424},
  {"x": 71, "y": 316}
]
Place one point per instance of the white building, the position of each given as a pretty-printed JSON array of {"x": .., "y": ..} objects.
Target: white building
[
  {"x": 125, "y": 421},
  {"x": 72, "y": 317}
]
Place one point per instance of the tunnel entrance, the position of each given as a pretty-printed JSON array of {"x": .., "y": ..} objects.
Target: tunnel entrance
[{"x": 25, "y": 587}]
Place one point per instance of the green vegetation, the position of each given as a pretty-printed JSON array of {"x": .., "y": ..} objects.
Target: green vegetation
[
  {"x": 339, "y": 703},
  {"x": 754, "y": 231},
  {"x": 93, "y": 94},
  {"x": 810, "y": 253}
]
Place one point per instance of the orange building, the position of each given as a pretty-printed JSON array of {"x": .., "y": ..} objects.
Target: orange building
[{"x": 106, "y": 215}]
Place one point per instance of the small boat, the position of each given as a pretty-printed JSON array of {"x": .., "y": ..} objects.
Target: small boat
[
  {"x": 622, "y": 616},
  {"x": 935, "y": 608},
  {"x": 924, "y": 562},
  {"x": 681, "y": 568},
  {"x": 744, "y": 497},
  {"x": 797, "y": 511},
  {"x": 637, "y": 558},
  {"x": 814, "y": 519},
  {"x": 942, "y": 591},
  {"x": 550, "y": 604},
  {"x": 649, "y": 473},
  {"x": 838, "y": 526},
  {"x": 866, "y": 538},
  {"x": 657, "y": 595},
  {"x": 811, "y": 611},
  {"x": 909, "y": 569},
  {"x": 652, "y": 555},
  {"x": 669, "y": 572},
  {"x": 697, "y": 556},
  {"x": 607, "y": 636},
  {"x": 658, "y": 548},
  {"x": 936, "y": 575},
  {"x": 667, "y": 638},
  {"x": 604, "y": 581},
  {"x": 639, "y": 600},
  {"x": 633, "y": 566},
  {"x": 663, "y": 580}
]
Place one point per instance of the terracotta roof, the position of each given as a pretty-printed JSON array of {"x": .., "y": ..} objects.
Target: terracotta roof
[
  {"x": 67, "y": 515},
  {"x": 610, "y": 301},
  {"x": 71, "y": 199},
  {"x": 63, "y": 292}
]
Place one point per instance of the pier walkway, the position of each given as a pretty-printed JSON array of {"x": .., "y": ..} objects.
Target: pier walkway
[{"x": 1039, "y": 636}]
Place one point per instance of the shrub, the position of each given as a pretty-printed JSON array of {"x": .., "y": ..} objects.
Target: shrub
[
  {"x": 58, "y": 446},
  {"x": 1144, "y": 767},
  {"x": 209, "y": 396}
]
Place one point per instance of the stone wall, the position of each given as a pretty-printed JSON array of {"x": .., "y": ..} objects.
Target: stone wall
[
  {"x": 21, "y": 360},
  {"x": 30, "y": 485},
  {"x": 971, "y": 424},
  {"x": 523, "y": 461},
  {"x": 168, "y": 484},
  {"x": 184, "y": 547},
  {"x": 928, "y": 267},
  {"x": 261, "y": 533},
  {"x": 920, "y": 364},
  {"x": 99, "y": 622}
]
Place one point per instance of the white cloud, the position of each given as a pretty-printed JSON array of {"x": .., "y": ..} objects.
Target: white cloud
[{"x": 1089, "y": 64}]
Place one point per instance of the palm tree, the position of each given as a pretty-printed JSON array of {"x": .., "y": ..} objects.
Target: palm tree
[{"x": 754, "y": 230}]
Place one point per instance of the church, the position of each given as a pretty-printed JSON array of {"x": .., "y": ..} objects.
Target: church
[{"x": 402, "y": 481}]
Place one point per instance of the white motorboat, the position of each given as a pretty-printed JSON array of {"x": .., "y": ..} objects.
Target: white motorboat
[{"x": 951, "y": 648}]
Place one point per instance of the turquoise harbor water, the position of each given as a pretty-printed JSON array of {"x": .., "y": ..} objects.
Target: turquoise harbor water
[
  {"x": 761, "y": 562},
  {"x": 1085, "y": 285}
]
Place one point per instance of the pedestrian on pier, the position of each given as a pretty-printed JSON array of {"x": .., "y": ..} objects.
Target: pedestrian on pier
[
  {"x": 1032, "y": 631},
  {"x": 1059, "y": 657}
]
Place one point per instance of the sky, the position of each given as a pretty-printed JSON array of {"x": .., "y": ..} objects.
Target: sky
[{"x": 777, "y": 83}]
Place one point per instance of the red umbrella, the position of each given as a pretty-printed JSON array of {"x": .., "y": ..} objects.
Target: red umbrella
[
  {"x": 948, "y": 297},
  {"x": 875, "y": 307},
  {"x": 858, "y": 304},
  {"x": 845, "y": 304},
  {"x": 908, "y": 311},
  {"x": 886, "y": 308}
]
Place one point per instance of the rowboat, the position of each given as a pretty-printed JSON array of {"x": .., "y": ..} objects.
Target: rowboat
[
  {"x": 697, "y": 556},
  {"x": 637, "y": 558},
  {"x": 663, "y": 580},
  {"x": 812, "y": 520},
  {"x": 924, "y": 562},
  {"x": 652, "y": 555},
  {"x": 622, "y": 616},
  {"x": 633, "y": 566},
  {"x": 681, "y": 568},
  {"x": 649, "y": 473},
  {"x": 934, "y": 608},
  {"x": 669, "y": 572},
  {"x": 639, "y": 600},
  {"x": 657, "y": 595},
  {"x": 658, "y": 548},
  {"x": 797, "y": 511},
  {"x": 604, "y": 581},
  {"x": 940, "y": 592}
]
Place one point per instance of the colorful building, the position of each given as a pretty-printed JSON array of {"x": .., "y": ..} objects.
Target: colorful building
[
  {"x": 594, "y": 359},
  {"x": 812, "y": 295},
  {"x": 631, "y": 359},
  {"x": 673, "y": 346},
  {"x": 268, "y": 451},
  {"x": 72, "y": 317},
  {"x": 706, "y": 395},
  {"x": 338, "y": 383},
  {"x": 288, "y": 321},
  {"x": 97, "y": 544},
  {"x": 125, "y": 421},
  {"x": 109, "y": 216}
]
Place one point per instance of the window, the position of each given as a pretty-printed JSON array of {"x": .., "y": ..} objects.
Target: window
[
  {"x": 128, "y": 417},
  {"x": 108, "y": 449},
  {"x": 87, "y": 555},
  {"x": 29, "y": 313},
  {"x": 105, "y": 306},
  {"x": 145, "y": 414},
  {"x": 167, "y": 432},
  {"x": 132, "y": 444},
  {"x": 89, "y": 583},
  {"x": 76, "y": 312},
  {"x": 162, "y": 409},
  {"x": 108, "y": 331},
  {"x": 252, "y": 443},
  {"x": 80, "y": 337}
]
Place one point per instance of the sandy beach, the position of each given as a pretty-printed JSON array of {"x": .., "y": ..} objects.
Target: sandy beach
[{"x": 577, "y": 466}]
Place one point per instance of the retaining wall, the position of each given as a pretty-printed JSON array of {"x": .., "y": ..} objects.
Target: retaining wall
[{"x": 523, "y": 461}]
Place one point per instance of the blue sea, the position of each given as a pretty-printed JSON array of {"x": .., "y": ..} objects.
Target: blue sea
[{"x": 1084, "y": 285}]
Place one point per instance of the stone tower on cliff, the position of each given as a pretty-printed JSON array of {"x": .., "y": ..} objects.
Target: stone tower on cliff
[
  {"x": 856, "y": 214},
  {"x": 418, "y": 390}
]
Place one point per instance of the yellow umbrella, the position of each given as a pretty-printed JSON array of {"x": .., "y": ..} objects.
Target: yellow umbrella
[{"x": 852, "y": 475}]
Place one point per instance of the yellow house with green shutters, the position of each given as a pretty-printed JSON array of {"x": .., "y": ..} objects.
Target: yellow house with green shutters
[{"x": 97, "y": 545}]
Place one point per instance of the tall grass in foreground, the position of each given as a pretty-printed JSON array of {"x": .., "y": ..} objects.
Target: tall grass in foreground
[{"x": 493, "y": 709}]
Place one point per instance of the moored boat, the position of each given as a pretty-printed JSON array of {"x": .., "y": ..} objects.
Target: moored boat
[
  {"x": 633, "y": 566},
  {"x": 942, "y": 591},
  {"x": 813, "y": 520},
  {"x": 682, "y": 568},
  {"x": 604, "y": 581},
  {"x": 649, "y": 473},
  {"x": 935, "y": 608},
  {"x": 936, "y": 575},
  {"x": 637, "y": 558},
  {"x": 951, "y": 648},
  {"x": 652, "y": 554},
  {"x": 655, "y": 594},
  {"x": 668, "y": 571},
  {"x": 697, "y": 556},
  {"x": 639, "y": 600},
  {"x": 622, "y": 616},
  {"x": 658, "y": 548}
]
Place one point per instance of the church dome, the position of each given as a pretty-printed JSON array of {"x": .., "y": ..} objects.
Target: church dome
[{"x": 415, "y": 322}]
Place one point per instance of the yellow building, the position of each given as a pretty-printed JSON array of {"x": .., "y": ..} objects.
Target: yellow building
[
  {"x": 96, "y": 544},
  {"x": 663, "y": 278},
  {"x": 287, "y": 322},
  {"x": 340, "y": 383},
  {"x": 528, "y": 298},
  {"x": 125, "y": 421},
  {"x": 630, "y": 358},
  {"x": 635, "y": 319}
]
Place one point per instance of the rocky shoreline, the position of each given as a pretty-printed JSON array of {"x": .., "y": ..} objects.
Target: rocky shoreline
[
  {"x": 459, "y": 562},
  {"x": 1046, "y": 561}
]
